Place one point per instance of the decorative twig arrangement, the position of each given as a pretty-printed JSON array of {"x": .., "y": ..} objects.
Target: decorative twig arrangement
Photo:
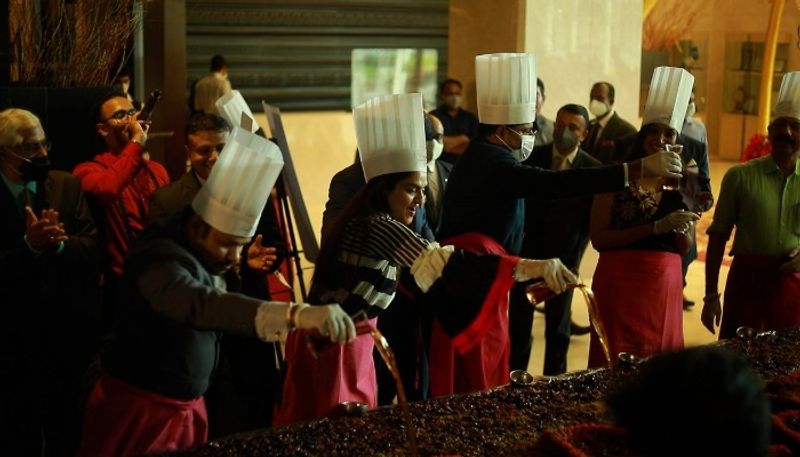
[{"x": 61, "y": 43}]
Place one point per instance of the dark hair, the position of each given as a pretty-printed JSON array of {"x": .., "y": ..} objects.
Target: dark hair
[
  {"x": 107, "y": 97},
  {"x": 218, "y": 63},
  {"x": 371, "y": 199},
  {"x": 449, "y": 81},
  {"x": 206, "y": 122},
  {"x": 576, "y": 109},
  {"x": 610, "y": 86},
  {"x": 485, "y": 130},
  {"x": 705, "y": 399},
  {"x": 540, "y": 85}
]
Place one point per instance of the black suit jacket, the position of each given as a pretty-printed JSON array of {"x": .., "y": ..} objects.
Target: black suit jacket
[
  {"x": 168, "y": 201},
  {"x": 50, "y": 301},
  {"x": 443, "y": 169},
  {"x": 557, "y": 227},
  {"x": 695, "y": 180},
  {"x": 604, "y": 148}
]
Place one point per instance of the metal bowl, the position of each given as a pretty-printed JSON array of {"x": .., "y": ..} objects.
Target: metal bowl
[
  {"x": 521, "y": 378},
  {"x": 626, "y": 358},
  {"x": 746, "y": 333},
  {"x": 350, "y": 409}
]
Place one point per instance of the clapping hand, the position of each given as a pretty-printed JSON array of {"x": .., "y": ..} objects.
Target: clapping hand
[
  {"x": 259, "y": 257},
  {"x": 44, "y": 232}
]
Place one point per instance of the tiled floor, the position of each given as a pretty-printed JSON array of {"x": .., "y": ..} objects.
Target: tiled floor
[{"x": 694, "y": 332}]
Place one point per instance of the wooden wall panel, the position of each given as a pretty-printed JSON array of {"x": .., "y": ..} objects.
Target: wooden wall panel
[{"x": 296, "y": 55}]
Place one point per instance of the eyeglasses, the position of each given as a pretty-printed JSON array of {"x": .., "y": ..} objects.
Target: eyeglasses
[
  {"x": 121, "y": 114},
  {"x": 531, "y": 131},
  {"x": 30, "y": 149}
]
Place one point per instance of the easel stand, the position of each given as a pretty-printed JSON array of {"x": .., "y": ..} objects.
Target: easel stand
[{"x": 294, "y": 251}]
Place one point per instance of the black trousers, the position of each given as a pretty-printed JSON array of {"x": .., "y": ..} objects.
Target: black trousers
[{"x": 558, "y": 313}]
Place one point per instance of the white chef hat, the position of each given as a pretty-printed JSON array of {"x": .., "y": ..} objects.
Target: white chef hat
[
  {"x": 391, "y": 134},
  {"x": 231, "y": 106},
  {"x": 506, "y": 85},
  {"x": 233, "y": 197},
  {"x": 789, "y": 97},
  {"x": 670, "y": 91}
]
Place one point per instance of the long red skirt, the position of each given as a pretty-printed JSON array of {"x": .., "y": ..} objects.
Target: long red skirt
[
  {"x": 759, "y": 295},
  {"x": 122, "y": 420},
  {"x": 314, "y": 386},
  {"x": 640, "y": 299}
]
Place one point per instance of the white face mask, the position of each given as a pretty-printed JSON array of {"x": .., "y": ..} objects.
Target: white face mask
[
  {"x": 598, "y": 108},
  {"x": 525, "y": 147},
  {"x": 435, "y": 149},
  {"x": 690, "y": 110}
]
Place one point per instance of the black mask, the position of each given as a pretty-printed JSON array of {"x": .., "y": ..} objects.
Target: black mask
[{"x": 34, "y": 169}]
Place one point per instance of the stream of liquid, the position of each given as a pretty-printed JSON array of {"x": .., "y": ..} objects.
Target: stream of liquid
[{"x": 539, "y": 292}]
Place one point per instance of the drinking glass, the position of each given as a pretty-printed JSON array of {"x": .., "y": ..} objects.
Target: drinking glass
[{"x": 672, "y": 183}]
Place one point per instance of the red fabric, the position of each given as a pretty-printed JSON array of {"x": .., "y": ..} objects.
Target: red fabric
[
  {"x": 477, "y": 358},
  {"x": 112, "y": 179},
  {"x": 314, "y": 386},
  {"x": 122, "y": 420},
  {"x": 640, "y": 299},
  {"x": 759, "y": 295}
]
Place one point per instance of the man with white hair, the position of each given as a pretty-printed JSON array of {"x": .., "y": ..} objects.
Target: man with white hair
[
  {"x": 761, "y": 199},
  {"x": 48, "y": 290}
]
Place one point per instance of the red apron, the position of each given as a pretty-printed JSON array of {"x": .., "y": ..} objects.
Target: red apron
[
  {"x": 314, "y": 386},
  {"x": 122, "y": 420},
  {"x": 759, "y": 295},
  {"x": 478, "y": 358},
  {"x": 640, "y": 299}
]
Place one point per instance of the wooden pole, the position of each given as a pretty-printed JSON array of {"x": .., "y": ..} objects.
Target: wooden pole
[{"x": 768, "y": 66}]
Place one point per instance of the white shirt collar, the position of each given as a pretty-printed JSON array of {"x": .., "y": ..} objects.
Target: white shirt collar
[
  {"x": 606, "y": 118},
  {"x": 569, "y": 157}
]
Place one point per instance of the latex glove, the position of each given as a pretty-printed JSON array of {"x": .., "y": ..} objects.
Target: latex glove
[
  {"x": 554, "y": 273},
  {"x": 676, "y": 220},
  {"x": 329, "y": 320},
  {"x": 712, "y": 312},
  {"x": 662, "y": 164},
  {"x": 793, "y": 264},
  {"x": 259, "y": 257}
]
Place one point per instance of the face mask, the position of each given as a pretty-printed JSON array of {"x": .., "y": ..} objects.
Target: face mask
[
  {"x": 434, "y": 150},
  {"x": 34, "y": 169},
  {"x": 565, "y": 139},
  {"x": 525, "y": 147},
  {"x": 453, "y": 101},
  {"x": 691, "y": 109},
  {"x": 598, "y": 108}
]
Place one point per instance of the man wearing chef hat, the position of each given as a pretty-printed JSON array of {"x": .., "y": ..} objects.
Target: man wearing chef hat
[
  {"x": 761, "y": 199},
  {"x": 173, "y": 304},
  {"x": 487, "y": 187}
]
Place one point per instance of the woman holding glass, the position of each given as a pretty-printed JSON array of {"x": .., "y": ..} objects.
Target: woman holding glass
[{"x": 641, "y": 234}]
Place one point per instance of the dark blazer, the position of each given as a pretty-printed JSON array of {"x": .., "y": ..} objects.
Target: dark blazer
[
  {"x": 345, "y": 184},
  {"x": 168, "y": 201},
  {"x": 487, "y": 187},
  {"x": 695, "y": 180},
  {"x": 443, "y": 169},
  {"x": 604, "y": 148},
  {"x": 50, "y": 325},
  {"x": 557, "y": 227}
]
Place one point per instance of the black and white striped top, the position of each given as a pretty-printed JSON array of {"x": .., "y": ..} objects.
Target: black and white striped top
[{"x": 371, "y": 252}]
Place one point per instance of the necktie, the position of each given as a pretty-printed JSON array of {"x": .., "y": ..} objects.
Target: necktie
[
  {"x": 593, "y": 135},
  {"x": 560, "y": 162}
]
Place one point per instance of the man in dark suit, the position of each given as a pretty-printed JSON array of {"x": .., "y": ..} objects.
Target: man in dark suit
[
  {"x": 553, "y": 228},
  {"x": 438, "y": 173},
  {"x": 49, "y": 258},
  {"x": 606, "y": 127},
  {"x": 244, "y": 391}
]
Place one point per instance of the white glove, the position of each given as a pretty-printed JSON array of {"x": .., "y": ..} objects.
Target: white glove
[
  {"x": 329, "y": 320},
  {"x": 554, "y": 273},
  {"x": 662, "y": 164},
  {"x": 679, "y": 221}
]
